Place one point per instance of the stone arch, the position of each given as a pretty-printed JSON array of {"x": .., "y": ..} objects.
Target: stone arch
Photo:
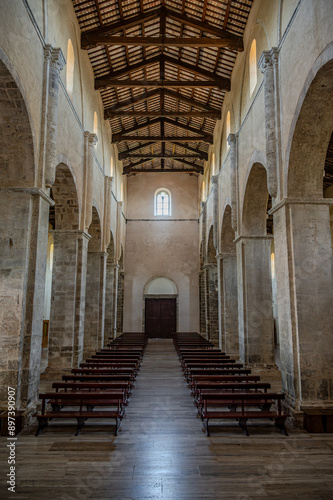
[
  {"x": 64, "y": 194},
  {"x": 160, "y": 285},
  {"x": 23, "y": 243},
  {"x": 95, "y": 231},
  {"x": 17, "y": 159},
  {"x": 211, "y": 250},
  {"x": 227, "y": 243},
  {"x": 310, "y": 131},
  {"x": 254, "y": 213}
]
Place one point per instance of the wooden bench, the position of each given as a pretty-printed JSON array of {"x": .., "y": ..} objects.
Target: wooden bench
[
  {"x": 94, "y": 386},
  {"x": 104, "y": 371},
  {"x": 204, "y": 381},
  {"x": 231, "y": 369},
  {"x": 104, "y": 377},
  {"x": 242, "y": 400},
  {"x": 81, "y": 399}
]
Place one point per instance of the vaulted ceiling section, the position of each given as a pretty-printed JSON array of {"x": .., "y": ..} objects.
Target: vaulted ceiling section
[{"x": 163, "y": 68}]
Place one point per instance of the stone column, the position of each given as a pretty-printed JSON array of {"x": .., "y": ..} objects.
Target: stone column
[
  {"x": 23, "y": 252},
  {"x": 304, "y": 272},
  {"x": 88, "y": 179},
  {"x": 120, "y": 303},
  {"x": 202, "y": 302},
  {"x": 228, "y": 303},
  {"x": 80, "y": 303},
  {"x": 212, "y": 303},
  {"x": 67, "y": 299},
  {"x": 115, "y": 300},
  {"x": 268, "y": 64},
  {"x": 255, "y": 309},
  {"x": 55, "y": 63},
  {"x": 233, "y": 143},
  {"x": 109, "y": 301},
  {"x": 220, "y": 300},
  {"x": 95, "y": 302}
]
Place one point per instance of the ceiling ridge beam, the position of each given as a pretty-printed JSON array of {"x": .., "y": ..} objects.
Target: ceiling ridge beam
[
  {"x": 158, "y": 138},
  {"x": 93, "y": 41},
  {"x": 136, "y": 148},
  {"x": 130, "y": 170},
  {"x": 113, "y": 82}
]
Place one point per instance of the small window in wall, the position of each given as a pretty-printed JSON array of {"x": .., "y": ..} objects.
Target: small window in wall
[
  {"x": 203, "y": 193},
  {"x": 95, "y": 123},
  {"x": 162, "y": 202},
  {"x": 227, "y": 128},
  {"x": 111, "y": 167},
  {"x": 70, "y": 68},
  {"x": 253, "y": 66},
  {"x": 213, "y": 164}
]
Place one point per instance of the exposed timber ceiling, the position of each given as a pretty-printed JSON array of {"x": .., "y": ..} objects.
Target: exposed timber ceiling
[{"x": 162, "y": 68}]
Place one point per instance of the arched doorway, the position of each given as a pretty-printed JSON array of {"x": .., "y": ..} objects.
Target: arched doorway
[{"x": 160, "y": 297}]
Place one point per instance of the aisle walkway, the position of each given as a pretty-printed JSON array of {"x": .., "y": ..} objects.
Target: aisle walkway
[{"x": 163, "y": 453}]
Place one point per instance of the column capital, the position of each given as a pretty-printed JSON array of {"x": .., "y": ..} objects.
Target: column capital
[
  {"x": 232, "y": 139},
  {"x": 69, "y": 232},
  {"x": 55, "y": 56},
  {"x": 253, "y": 237},
  {"x": 295, "y": 201},
  {"x": 222, "y": 255},
  {"x": 92, "y": 138}
]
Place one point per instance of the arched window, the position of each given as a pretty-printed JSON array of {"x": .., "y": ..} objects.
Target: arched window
[
  {"x": 70, "y": 68},
  {"x": 213, "y": 164},
  {"x": 227, "y": 128},
  {"x": 162, "y": 202},
  {"x": 203, "y": 192},
  {"x": 95, "y": 124},
  {"x": 111, "y": 167},
  {"x": 253, "y": 66}
]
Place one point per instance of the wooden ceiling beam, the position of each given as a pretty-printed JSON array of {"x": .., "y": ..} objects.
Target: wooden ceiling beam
[
  {"x": 133, "y": 170},
  {"x": 161, "y": 155},
  {"x": 92, "y": 41},
  {"x": 162, "y": 113},
  {"x": 136, "y": 129},
  {"x": 234, "y": 42},
  {"x": 190, "y": 102},
  {"x": 118, "y": 26},
  {"x": 131, "y": 102},
  {"x": 203, "y": 155},
  {"x": 184, "y": 127},
  {"x": 195, "y": 69},
  {"x": 121, "y": 156},
  {"x": 159, "y": 138},
  {"x": 131, "y": 67},
  {"x": 104, "y": 82}
]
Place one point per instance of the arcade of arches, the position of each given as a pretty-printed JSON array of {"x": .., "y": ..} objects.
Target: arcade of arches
[{"x": 248, "y": 244}]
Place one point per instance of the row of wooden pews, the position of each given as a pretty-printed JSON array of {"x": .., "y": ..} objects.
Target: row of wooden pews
[
  {"x": 224, "y": 389},
  {"x": 105, "y": 380}
]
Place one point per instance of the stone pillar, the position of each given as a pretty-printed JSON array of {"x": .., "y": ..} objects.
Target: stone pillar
[
  {"x": 88, "y": 179},
  {"x": 55, "y": 62},
  {"x": 268, "y": 64},
  {"x": 212, "y": 303},
  {"x": 228, "y": 304},
  {"x": 303, "y": 251},
  {"x": 109, "y": 301},
  {"x": 81, "y": 277},
  {"x": 23, "y": 254},
  {"x": 115, "y": 300},
  {"x": 120, "y": 303},
  {"x": 67, "y": 299},
  {"x": 233, "y": 143},
  {"x": 202, "y": 303},
  {"x": 255, "y": 309},
  {"x": 95, "y": 303}
]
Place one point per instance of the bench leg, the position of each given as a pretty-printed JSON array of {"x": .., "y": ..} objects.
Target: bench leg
[
  {"x": 42, "y": 423},
  {"x": 279, "y": 422},
  {"x": 118, "y": 422},
  {"x": 80, "y": 424},
  {"x": 205, "y": 424},
  {"x": 242, "y": 424}
]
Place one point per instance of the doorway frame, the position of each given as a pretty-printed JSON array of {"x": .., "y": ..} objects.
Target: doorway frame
[{"x": 159, "y": 296}]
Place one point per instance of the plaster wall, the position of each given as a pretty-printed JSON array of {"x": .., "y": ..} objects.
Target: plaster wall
[{"x": 158, "y": 247}]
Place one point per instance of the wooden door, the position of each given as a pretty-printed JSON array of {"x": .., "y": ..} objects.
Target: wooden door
[{"x": 160, "y": 317}]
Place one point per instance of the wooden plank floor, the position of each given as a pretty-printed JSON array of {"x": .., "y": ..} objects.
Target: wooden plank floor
[{"x": 162, "y": 452}]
